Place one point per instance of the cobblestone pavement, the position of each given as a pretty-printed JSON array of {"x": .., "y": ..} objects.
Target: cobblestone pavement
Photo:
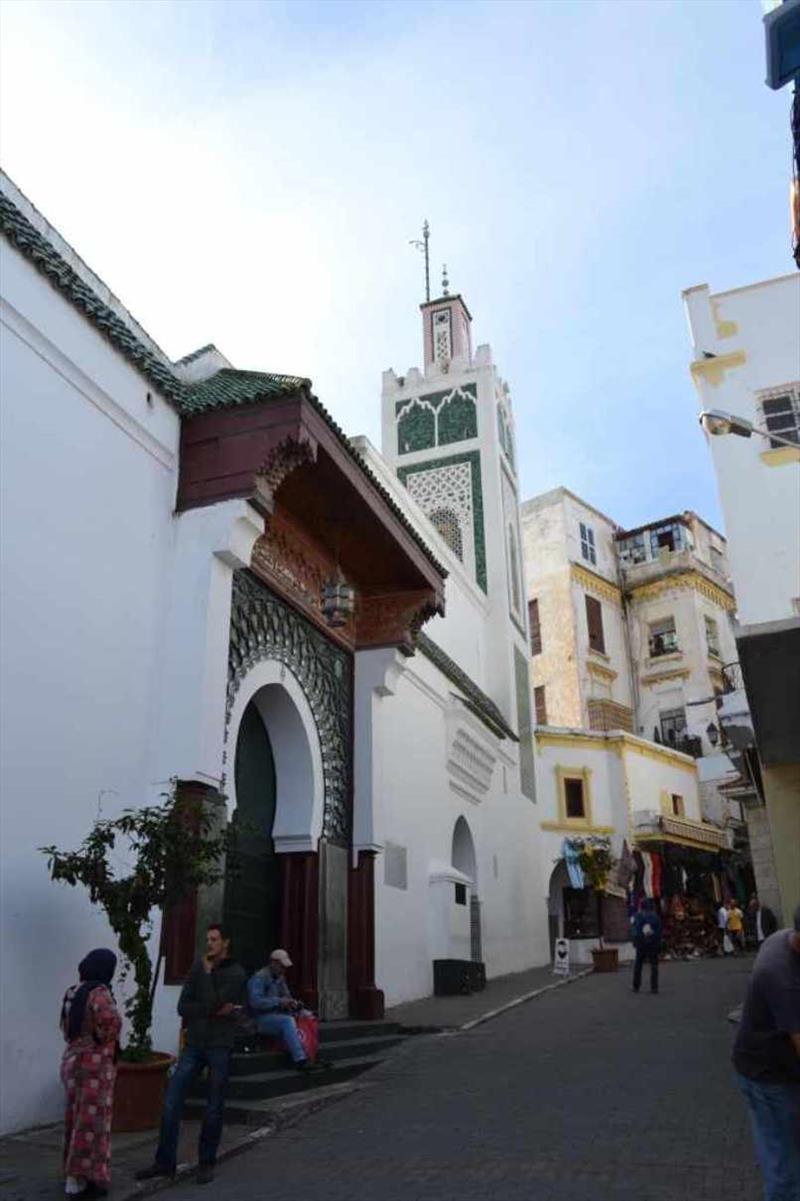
[{"x": 589, "y": 1093}]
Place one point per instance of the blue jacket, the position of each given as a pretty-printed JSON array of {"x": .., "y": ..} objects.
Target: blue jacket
[
  {"x": 641, "y": 940},
  {"x": 265, "y": 992}
]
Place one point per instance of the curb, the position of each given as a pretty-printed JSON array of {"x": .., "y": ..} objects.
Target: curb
[
  {"x": 280, "y": 1121},
  {"x": 528, "y": 996}
]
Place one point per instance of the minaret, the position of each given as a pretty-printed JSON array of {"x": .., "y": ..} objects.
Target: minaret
[{"x": 448, "y": 432}]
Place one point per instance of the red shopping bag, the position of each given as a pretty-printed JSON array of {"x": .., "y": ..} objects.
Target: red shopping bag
[{"x": 308, "y": 1029}]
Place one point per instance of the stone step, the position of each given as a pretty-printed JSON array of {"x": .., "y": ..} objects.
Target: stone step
[
  {"x": 249, "y": 1097},
  {"x": 259, "y": 1061},
  {"x": 347, "y": 1028}
]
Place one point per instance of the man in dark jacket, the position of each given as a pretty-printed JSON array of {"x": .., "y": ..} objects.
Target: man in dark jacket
[
  {"x": 647, "y": 941},
  {"x": 213, "y": 993},
  {"x": 759, "y": 922},
  {"x": 766, "y": 1056}
]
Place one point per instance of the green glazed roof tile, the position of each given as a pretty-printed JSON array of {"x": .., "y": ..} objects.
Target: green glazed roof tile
[
  {"x": 474, "y": 697},
  {"x": 226, "y": 389}
]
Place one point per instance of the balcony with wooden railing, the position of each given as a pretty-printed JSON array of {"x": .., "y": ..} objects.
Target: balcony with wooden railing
[{"x": 605, "y": 714}]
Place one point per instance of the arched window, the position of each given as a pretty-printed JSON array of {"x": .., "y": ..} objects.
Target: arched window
[
  {"x": 447, "y": 524},
  {"x": 463, "y": 851}
]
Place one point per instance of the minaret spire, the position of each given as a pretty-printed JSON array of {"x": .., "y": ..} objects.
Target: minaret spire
[{"x": 424, "y": 248}]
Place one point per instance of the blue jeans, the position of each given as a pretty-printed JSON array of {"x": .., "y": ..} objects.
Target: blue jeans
[
  {"x": 775, "y": 1118},
  {"x": 191, "y": 1062},
  {"x": 281, "y": 1025}
]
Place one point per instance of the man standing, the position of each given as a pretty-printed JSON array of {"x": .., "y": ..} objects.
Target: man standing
[
  {"x": 735, "y": 926},
  {"x": 647, "y": 941},
  {"x": 209, "y": 1001},
  {"x": 760, "y": 922},
  {"x": 273, "y": 1006},
  {"x": 722, "y": 926},
  {"x": 766, "y": 1056}
]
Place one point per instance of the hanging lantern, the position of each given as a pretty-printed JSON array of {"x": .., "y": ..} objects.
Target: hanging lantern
[{"x": 338, "y": 600}]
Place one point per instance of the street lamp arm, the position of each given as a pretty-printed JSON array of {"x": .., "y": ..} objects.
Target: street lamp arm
[{"x": 715, "y": 422}]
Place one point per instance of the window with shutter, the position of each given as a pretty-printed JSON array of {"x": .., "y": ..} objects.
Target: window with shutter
[
  {"x": 594, "y": 621},
  {"x": 541, "y": 705},
  {"x": 781, "y": 409},
  {"x": 536, "y": 629},
  {"x": 587, "y": 543}
]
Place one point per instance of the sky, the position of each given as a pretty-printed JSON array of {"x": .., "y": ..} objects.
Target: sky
[{"x": 251, "y": 174}]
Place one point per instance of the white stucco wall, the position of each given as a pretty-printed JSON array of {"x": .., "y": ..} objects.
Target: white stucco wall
[
  {"x": 754, "y": 332},
  {"x": 420, "y": 808},
  {"x": 88, "y": 484}
]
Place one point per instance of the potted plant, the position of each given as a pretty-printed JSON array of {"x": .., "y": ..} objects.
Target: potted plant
[
  {"x": 166, "y": 851},
  {"x": 597, "y": 863}
]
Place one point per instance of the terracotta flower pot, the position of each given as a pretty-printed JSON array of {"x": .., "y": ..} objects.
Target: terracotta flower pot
[
  {"x": 139, "y": 1093},
  {"x": 605, "y": 959}
]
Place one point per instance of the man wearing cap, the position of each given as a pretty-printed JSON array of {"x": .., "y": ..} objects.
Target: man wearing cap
[
  {"x": 273, "y": 1007},
  {"x": 766, "y": 1056}
]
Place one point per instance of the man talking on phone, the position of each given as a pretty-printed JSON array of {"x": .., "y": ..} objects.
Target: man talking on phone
[{"x": 209, "y": 1002}]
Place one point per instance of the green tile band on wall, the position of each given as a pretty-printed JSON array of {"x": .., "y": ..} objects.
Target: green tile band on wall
[
  {"x": 504, "y": 434},
  {"x": 416, "y": 429},
  {"x": 437, "y": 419},
  {"x": 527, "y": 768},
  {"x": 473, "y": 457}
]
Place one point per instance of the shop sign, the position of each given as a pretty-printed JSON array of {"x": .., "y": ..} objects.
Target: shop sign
[{"x": 561, "y": 957}]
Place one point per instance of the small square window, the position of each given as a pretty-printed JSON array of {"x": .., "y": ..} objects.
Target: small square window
[
  {"x": 677, "y": 805},
  {"x": 574, "y": 803},
  {"x": 781, "y": 409},
  {"x": 461, "y": 894},
  {"x": 663, "y": 637}
]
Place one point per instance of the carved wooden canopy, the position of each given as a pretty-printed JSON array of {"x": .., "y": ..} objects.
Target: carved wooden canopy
[{"x": 323, "y": 508}]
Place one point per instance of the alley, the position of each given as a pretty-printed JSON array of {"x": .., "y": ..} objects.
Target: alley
[{"x": 590, "y": 1093}]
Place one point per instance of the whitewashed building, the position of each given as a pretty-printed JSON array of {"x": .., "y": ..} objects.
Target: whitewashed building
[
  {"x": 171, "y": 534},
  {"x": 746, "y": 362}
]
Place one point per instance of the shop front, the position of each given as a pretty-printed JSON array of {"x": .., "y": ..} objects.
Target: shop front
[{"x": 689, "y": 868}]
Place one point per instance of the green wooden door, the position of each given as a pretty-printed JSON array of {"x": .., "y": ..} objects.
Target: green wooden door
[{"x": 251, "y": 883}]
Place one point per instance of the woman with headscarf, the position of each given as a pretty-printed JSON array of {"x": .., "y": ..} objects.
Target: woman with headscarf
[{"x": 91, "y": 1024}]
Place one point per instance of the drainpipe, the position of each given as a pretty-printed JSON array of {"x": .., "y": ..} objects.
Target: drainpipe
[{"x": 634, "y": 675}]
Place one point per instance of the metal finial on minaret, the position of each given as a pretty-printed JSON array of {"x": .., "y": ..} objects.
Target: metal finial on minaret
[
  {"x": 445, "y": 281},
  {"x": 423, "y": 247}
]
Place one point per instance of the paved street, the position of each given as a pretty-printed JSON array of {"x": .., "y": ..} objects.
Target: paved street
[{"x": 589, "y": 1093}]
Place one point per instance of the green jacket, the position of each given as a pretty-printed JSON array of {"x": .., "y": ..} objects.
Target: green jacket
[{"x": 202, "y": 995}]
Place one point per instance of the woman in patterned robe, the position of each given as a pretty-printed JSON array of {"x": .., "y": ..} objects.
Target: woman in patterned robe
[{"x": 91, "y": 1024}]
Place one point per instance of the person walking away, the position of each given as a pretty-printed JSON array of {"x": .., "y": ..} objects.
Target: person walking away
[
  {"x": 766, "y": 1056},
  {"x": 647, "y": 942},
  {"x": 210, "y": 1002},
  {"x": 274, "y": 1008},
  {"x": 736, "y": 926},
  {"x": 90, "y": 1023},
  {"x": 722, "y": 926},
  {"x": 760, "y": 922}
]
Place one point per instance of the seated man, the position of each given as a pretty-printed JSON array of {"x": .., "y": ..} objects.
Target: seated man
[{"x": 272, "y": 1005}]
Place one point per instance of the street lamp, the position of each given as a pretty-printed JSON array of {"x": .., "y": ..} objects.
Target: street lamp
[
  {"x": 712, "y": 734},
  {"x": 715, "y": 421}
]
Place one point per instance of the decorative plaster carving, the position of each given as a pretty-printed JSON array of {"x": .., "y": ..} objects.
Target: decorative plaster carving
[
  {"x": 393, "y": 619},
  {"x": 263, "y": 627},
  {"x": 281, "y": 461},
  {"x": 470, "y": 764}
]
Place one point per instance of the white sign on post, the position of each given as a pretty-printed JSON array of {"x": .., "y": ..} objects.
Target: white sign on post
[{"x": 561, "y": 957}]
